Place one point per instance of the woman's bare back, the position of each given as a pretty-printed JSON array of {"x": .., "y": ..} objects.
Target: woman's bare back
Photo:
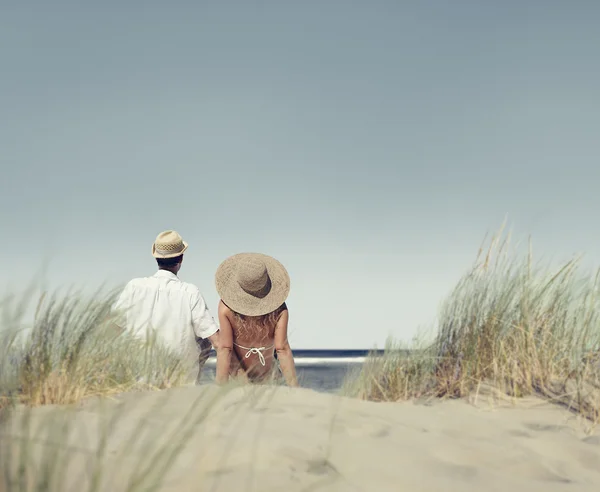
[{"x": 253, "y": 342}]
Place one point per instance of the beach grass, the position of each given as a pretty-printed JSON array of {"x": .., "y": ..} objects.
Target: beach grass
[
  {"x": 73, "y": 350},
  {"x": 509, "y": 324}
]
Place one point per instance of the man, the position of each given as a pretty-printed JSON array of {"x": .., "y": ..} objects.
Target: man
[{"x": 166, "y": 307}]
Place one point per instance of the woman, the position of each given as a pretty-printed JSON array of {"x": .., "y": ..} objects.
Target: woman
[{"x": 253, "y": 317}]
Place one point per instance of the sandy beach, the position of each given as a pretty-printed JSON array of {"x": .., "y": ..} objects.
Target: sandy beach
[{"x": 272, "y": 439}]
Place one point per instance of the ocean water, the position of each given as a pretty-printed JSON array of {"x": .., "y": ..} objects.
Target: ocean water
[{"x": 320, "y": 370}]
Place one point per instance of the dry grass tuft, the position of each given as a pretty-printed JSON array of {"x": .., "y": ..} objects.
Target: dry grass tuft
[
  {"x": 73, "y": 351},
  {"x": 509, "y": 323}
]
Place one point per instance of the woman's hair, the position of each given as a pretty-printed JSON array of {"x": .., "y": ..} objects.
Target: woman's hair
[{"x": 258, "y": 327}]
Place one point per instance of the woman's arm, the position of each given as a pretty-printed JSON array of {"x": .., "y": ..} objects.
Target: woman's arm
[
  {"x": 224, "y": 347},
  {"x": 284, "y": 351}
]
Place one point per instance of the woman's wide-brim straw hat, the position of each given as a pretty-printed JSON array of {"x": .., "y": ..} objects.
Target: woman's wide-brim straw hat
[
  {"x": 168, "y": 244},
  {"x": 252, "y": 284}
]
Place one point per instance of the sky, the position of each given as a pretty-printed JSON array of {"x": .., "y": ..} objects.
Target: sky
[{"x": 368, "y": 146}]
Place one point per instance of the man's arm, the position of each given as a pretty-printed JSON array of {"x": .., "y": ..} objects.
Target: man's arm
[
  {"x": 203, "y": 323},
  {"x": 205, "y": 326}
]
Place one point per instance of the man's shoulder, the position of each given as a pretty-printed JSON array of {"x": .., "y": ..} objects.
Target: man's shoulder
[
  {"x": 190, "y": 288},
  {"x": 141, "y": 283},
  {"x": 138, "y": 281}
]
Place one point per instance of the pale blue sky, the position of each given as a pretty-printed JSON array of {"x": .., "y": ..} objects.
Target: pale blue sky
[{"x": 369, "y": 146}]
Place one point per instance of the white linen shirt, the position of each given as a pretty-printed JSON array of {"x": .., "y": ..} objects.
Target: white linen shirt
[{"x": 173, "y": 309}]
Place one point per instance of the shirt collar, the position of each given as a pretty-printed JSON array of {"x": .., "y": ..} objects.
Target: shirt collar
[{"x": 166, "y": 274}]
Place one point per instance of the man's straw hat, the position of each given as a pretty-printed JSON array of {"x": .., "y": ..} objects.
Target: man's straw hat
[
  {"x": 168, "y": 244},
  {"x": 252, "y": 284}
]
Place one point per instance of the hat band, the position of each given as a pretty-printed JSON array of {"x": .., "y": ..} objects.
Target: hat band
[{"x": 168, "y": 251}]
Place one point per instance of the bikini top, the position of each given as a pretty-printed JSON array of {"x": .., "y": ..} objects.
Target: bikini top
[{"x": 255, "y": 350}]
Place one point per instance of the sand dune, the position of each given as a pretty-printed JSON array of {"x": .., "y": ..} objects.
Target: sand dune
[{"x": 253, "y": 439}]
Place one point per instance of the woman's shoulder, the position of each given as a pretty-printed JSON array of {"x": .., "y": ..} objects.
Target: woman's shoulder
[
  {"x": 223, "y": 308},
  {"x": 280, "y": 310}
]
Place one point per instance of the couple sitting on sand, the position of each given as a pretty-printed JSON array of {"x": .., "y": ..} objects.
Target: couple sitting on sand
[{"x": 253, "y": 316}]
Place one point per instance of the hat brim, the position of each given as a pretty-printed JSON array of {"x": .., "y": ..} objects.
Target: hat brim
[
  {"x": 170, "y": 255},
  {"x": 239, "y": 300}
]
